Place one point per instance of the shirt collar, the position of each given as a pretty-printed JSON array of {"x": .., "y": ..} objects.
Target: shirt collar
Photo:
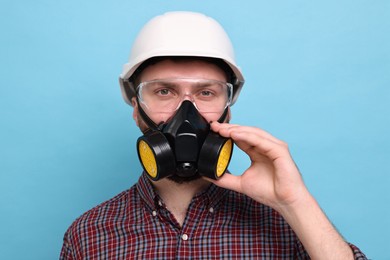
[
  {"x": 213, "y": 195},
  {"x": 146, "y": 191}
]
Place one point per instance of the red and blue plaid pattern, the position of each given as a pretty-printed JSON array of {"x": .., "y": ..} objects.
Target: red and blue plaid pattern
[{"x": 220, "y": 224}]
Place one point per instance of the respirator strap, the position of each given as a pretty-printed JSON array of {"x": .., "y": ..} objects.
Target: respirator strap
[
  {"x": 149, "y": 122},
  {"x": 223, "y": 116}
]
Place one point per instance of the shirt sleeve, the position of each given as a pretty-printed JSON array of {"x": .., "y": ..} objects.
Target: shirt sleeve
[
  {"x": 358, "y": 255},
  {"x": 66, "y": 251}
]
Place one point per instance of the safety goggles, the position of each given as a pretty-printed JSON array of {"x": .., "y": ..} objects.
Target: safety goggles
[{"x": 166, "y": 95}]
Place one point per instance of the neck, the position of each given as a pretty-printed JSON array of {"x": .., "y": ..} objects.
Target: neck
[{"x": 178, "y": 196}]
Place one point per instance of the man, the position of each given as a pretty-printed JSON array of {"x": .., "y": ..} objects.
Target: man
[{"x": 181, "y": 81}]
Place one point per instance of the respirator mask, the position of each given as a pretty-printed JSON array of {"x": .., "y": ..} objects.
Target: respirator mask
[{"x": 184, "y": 145}]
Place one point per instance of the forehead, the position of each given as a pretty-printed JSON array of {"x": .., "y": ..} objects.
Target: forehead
[{"x": 170, "y": 68}]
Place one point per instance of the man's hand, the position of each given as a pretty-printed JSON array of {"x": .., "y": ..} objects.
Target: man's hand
[{"x": 274, "y": 180}]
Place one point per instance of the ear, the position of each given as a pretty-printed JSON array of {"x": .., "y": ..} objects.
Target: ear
[{"x": 135, "y": 110}]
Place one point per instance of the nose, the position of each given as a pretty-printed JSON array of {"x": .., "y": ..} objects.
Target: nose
[{"x": 188, "y": 96}]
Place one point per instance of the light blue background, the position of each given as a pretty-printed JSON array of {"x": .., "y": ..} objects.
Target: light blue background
[{"x": 317, "y": 76}]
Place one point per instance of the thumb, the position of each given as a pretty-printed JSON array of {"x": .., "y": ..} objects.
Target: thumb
[{"x": 227, "y": 181}]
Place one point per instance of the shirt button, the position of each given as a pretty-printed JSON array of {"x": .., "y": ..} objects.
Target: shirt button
[
  {"x": 211, "y": 210},
  {"x": 154, "y": 213},
  {"x": 184, "y": 237},
  {"x": 160, "y": 203}
]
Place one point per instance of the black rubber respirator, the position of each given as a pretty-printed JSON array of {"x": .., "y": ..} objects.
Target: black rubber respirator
[{"x": 183, "y": 146}]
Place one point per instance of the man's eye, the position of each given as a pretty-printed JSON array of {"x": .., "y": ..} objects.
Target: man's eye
[
  {"x": 163, "y": 92},
  {"x": 206, "y": 93}
]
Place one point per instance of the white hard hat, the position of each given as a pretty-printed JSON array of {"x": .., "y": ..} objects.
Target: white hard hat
[{"x": 180, "y": 34}]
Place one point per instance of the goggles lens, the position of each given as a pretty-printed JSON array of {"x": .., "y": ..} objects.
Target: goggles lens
[{"x": 166, "y": 95}]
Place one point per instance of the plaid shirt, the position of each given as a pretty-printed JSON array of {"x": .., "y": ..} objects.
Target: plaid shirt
[{"x": 220, "y": 224}]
